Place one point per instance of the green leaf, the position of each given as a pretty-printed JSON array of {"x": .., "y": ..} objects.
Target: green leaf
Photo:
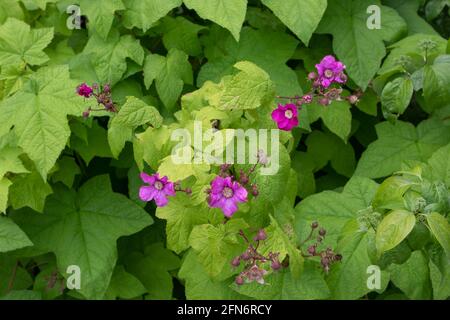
[
  {"x": 4, "y": 189},
  {"x": 100, "y": 14},
  {"x": 326, "y": 147},
  {"x": 22, "y": 295},
  {"x": 152, "y": 269},
  {"x": 229, "y": 14},
  {"x": 336, "y": 117},
  {"x": 393, "y": 229},
  {"x": 396, "y": 96},
  {"x": 96, "y": 146},
  {"x": 181, "y": 219},
  {"x": 198, "y": 285},
  {"x": 399, "y": 142},
  {"x": 29, "y": 191},
  {"x": 222, "y": 52},
  {"x": 143, "y": 14},
  {"x": 82, "y": 229},
  {"x": 361, "y": 49},
  {"x": 132, "y": 114},
  {"x": 124, "y": 285},
  {"x": 436, "y": 83},
  {"x": 301, "y": 16},
  {"x": 440, "y": 164},
  {"x": 170, "y": 74},
  {"x": 22, "y": 279},
  {"x": 19, "y": 43},
  {"x": 180, "y": 33},
  {"x": 278, "y": 241},
  {"x": 248, "y": 89},
  {"x": 67, "y": 170},
  {"x": 108, "y": 56},
  {"x": 440, "y": 281},
  {"x": 282, "y": 285},
  {"x": 334, "y": 209},
  {"x": 441, "y": 230},
  {"x": 216, "y": 246},
  {"x": 348, "y": 278},
  {"x": 11, "y": 237},
  {"x": 10, "y": 9},
  {"x": 390, "y": 193},
  {"x": 412, "y": 277},
  {"x": 39, "y": 115},
  {"x": 10, "y": 161}
]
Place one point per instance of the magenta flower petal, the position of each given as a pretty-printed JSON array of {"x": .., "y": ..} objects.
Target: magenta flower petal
[
  {"x": 169, "y": 189},
  {"x": 147, "y": 193},
  {"x": 161, "y": 199},
  {"x": 240, "y": 193},
  {"x": 286, "y": 116},
  {"x": 225, "y": 194},
  {"x": 147, "y": 178},
  {"x": 229, "y": 208}
]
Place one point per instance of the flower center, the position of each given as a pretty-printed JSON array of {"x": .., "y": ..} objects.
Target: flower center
[
  {"x": 328, "y": 73},
  {"x": 288, "y": 114},
  {"x": 227, "y": 192},
  {"x": 159, "y": 185}
]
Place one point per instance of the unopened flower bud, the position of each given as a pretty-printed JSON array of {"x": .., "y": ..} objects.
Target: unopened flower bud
[
  {"x": 236, "y": 261},
  {"x": 255, "y": 191},
  {"x": 243, "y": 178},
  {"x": 324, "y": 101},
  {"x": 276, "y": 265},
  {"x": 307, "y": 98},
  {"x": 245, "y": 256},
  {"x": 312, "y": 250},
  {"x": 239, "y": 280},
  {"x": 312, "y": 76},
  {"x": 188, "y": 191},
  {"x": 322, "y": 232},
  {"x": 338, "y": 257},
  {"x": 314, "y": 225},
  {"x": 261, "y": 235},
  {"x": 353, "y": 99},
  {"x": 106, "y": 88},
  {"x": 86, "y": 114}
]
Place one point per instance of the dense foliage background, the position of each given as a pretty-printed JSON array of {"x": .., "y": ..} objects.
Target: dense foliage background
[{"x": 375, "y": 174}]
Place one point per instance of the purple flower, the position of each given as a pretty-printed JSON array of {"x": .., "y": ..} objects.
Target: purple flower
[
  {"x": 84, "y": 90},
  {"x": 225, "y": 194},
  {"x": 158, "y": 189},
  {"x": 330, "y": 70},
  {"x": 285, "y": 116}
]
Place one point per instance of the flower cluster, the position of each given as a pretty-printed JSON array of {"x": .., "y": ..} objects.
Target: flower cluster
[
  {"x": 226, "y": 191},
  {"x": 327, "y": 256},
  {"x": 158, "y": 189},
  {"x": 329, "y": 71},
  {"x": 254, "y": 262},
  {"x": 102, "y": 94}
]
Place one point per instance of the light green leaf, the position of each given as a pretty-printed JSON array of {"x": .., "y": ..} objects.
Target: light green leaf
[
  {"x": 11, "y": 237},
  {"x": 4, "y": 190},
  {"x": 39, "y": 115},
  {"x": 229, "y": 14},
  {"x": 216, "y": 246},
  {"x": 181, "y": 219},
  {"x": 143, "y": 14},
  {"x": 440, "y": 164},
  {"x": 18, "y": 43},
  {"x": 10, "y": 9},
  {"x": 441, "y": 230},
  {"x": 361, "y": 49},
  {"x": 170, "y": 73},
  {"x": 108, "y": 56},
  {"x": 393, "y": 229},
  {"x": 132, "y": 114},
  {"x": 399, "y": 142},
  {"x": 10, "y": 161},
  {"x": 199, "y": 285},
  {"x": 248, "y": 89},
  {"x": 29, "y": 191},
  {"x": 301, "y": 16},
  {"x": 282, "y": 285},
  {"x": 100, "y": 14},
  {"x": 278, "y": 241},
  {"x": 390, "y": 193},
  {"x": 82, "y": 229}
]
